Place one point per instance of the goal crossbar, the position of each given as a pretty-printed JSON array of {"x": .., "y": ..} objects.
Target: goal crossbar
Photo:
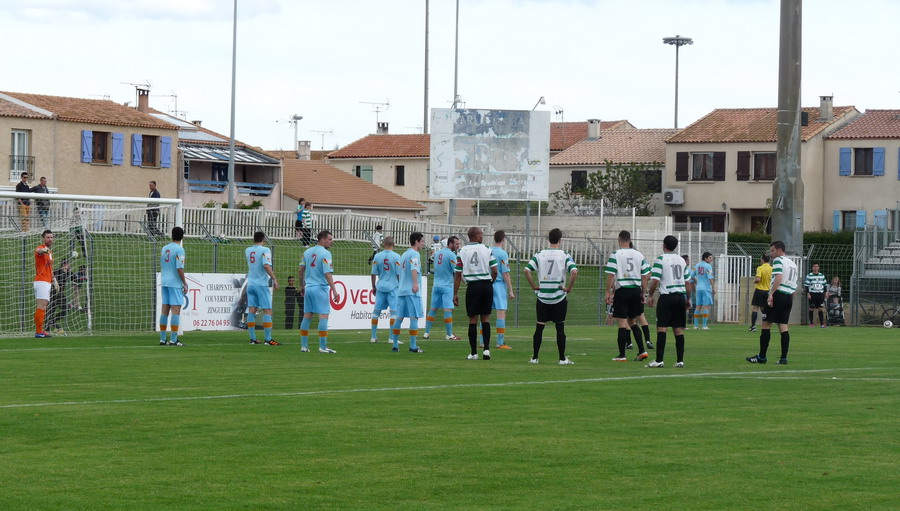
[{"x": 179, "y": 210}]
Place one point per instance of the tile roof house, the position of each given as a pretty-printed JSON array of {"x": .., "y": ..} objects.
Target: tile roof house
[
  {"x": 862, "y": 172},
  {"x": 720, "y": 170},
  {"x": 88, "y": 146},
  {"x": 331, "y": 189},
  {"x": 622, "y": 146},
  {"x": 203, "y": 163},
  {"x": 400, "y": 163}
]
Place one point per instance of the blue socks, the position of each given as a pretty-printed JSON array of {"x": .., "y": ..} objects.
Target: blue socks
[
  {"x": 413, "y": 332},
  {"x": 163, "y": 322},
  {"x": 501, "y": 331},
  {"x": 251, "y": 325},
  {"x": 175, "y": 321},
  {"x": 323, "y": 333},
  {"x": 304, "y": 333},
  {"x": 448, "y": 324},
  {"x": 267, "y": 320}
]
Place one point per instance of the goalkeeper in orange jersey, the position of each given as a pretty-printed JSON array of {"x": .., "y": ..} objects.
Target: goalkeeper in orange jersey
[{"x": 43, "y": 280}]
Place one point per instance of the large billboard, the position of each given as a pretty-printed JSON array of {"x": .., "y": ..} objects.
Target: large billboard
[{"x": 490, "y": 154}]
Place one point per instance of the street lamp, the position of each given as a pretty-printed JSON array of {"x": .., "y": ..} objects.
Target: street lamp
[
  {"x": 541, "y": 101},
  {"x": 678, "y": 42}
]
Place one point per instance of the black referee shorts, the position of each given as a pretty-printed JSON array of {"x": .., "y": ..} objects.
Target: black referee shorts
[
  {"x": 816, "y": 300},
  {"x": 780, "y": 311},
  {"x": 671, "y": 311},
  {"x": 479, "y": 298},
  {"x": 627, "y": 303},
  {"x": 759, "y": 298}
]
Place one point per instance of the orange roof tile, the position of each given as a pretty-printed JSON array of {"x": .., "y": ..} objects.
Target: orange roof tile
[
  {"x": 324, "y": 184},
  {"x": 10, "y": 109},
  {"x": 91, "y": 111},
  {"x": 283, "y": 154},
  {"x": 874, "y": 124},
  {"x": 752, "y": 125},
  {"x": 619, "y": 146},
  {"x": 564, "y": 134},
  {"x": 386, "y": 146}
]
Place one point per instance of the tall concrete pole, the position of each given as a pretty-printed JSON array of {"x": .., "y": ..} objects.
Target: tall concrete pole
[
  {"x": 233, "y": 89},
  {"x": 425, "y": 106},
  {"x": 787, "y": 191}
]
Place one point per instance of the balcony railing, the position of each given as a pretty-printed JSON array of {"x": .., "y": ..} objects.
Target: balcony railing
[
  {"x": 18, "y": 164},
  {"x": 258, "y": 189}
]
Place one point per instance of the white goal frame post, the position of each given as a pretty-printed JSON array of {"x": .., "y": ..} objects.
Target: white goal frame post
[{"x": 106, "y": 248}]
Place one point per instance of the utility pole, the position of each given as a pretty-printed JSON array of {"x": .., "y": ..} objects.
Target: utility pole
[
  {"x": 425, "y": 106},
  {"x": 787, "y": 190}
]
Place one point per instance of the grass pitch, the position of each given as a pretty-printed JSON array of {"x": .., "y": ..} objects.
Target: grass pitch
[{"x": 119, "y": 422}]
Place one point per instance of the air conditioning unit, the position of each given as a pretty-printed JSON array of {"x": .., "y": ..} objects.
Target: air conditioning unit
[{"x": 673, "y": 196}]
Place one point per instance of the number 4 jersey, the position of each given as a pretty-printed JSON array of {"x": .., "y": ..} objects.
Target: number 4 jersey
[{"x": 474, "y": 262}]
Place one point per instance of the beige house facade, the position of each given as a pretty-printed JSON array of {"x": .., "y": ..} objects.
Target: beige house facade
[
  {"x": 861, "y": 182},
  {"x": 720, "y": 171},
  {"x": 87, "y": 147}
]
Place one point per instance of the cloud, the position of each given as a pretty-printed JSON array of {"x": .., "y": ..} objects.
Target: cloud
[{"x": 93, "y": 11}]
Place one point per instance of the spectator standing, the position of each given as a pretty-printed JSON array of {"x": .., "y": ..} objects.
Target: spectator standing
[
  {"x": 43, "y": 206},
  {"x": 834, "y": 289},
  {"x": 815, "y": 293},
  {"x": 153, "y": 211},
  {"x": 24, "y": 204},
  {"x": 298, "y": 223},
  {"x": 306, "y": 223},
  {"x": 377, "y": 239},
  {"x": 290, "y": 303}
]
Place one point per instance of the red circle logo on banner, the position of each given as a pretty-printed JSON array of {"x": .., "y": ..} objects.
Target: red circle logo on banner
[{"x": 342, "y": 289}]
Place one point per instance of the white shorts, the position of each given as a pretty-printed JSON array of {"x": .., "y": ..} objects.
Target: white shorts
[{"x": 42, "y": 290}]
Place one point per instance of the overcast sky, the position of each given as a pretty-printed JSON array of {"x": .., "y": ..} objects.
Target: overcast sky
[{"x": 321, "y": 58}]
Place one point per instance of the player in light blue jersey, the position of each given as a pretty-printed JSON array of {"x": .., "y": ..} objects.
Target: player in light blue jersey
[
  {"x": 442, "y": 288},
  {"x": 705, "y": 285},
  {"x": 503, "y": 290},
  {"x": 409, "y": 296},
  {"x": 174, "y": 287},
  {"x": 259, "y": 271},
  {"x": 386, "y": 269},
  {"x": 316, "y": 269}
]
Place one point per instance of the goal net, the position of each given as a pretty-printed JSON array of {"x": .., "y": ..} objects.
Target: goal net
[{"x": 105, "y": 258}]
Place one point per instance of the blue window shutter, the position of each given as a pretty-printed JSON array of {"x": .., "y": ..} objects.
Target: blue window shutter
[
  {"x": 881, "y": 219},
  {"x": 118, "y": 148},
  {"x": 87, "y": 147},
  {"x": 137, "y": 147},
  {"x": 860, "y": 219},
  {"x": 846, "y": 155},
  {"x": 878, "y": 161},
  {"x": 165, "y": 152},
  {"x": 836, "y": 226}
]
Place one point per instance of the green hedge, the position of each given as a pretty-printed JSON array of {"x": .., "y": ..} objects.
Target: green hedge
[{"x": 812, "y": 237}]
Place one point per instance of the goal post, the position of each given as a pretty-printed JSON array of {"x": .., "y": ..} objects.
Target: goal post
[{"x": 105, "y": 258}]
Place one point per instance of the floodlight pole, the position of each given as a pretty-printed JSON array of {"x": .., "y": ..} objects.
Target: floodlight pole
[
  {"x": 425, "y": 105},
  {"x": 231, "y": 138},
  {"x": 451, "y": 206},
  {"x": 787, "y": 190},
  {"x": 678, "y": 42}
]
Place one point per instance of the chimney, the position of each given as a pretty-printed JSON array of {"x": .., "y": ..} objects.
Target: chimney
[
  {"x": 303, "y": 150},
  {"x": 197, "y": 123},
  {"x": 382, "y": 128},
  {"x": 143, "y": 99},
  {"x": 826, "y": 108},
  {"x": 593, "y": 129}
]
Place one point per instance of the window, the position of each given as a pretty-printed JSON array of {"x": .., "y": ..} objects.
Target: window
[
  {"x": 764, "y": 166},
  {"x": 363, "y": 172},
  {"x": 848, "y": 220},
  {"x": 653, "y": 180},
  {"x": 579, "y": 180},
  {"x": 100, "y": 147},
  {"x": 757, "y": 223},
  {"x": 219, "y": 172},
  {"x": 863, "y": 161},
  {"x": 400, "y": 175},
  {"x": 701, "y": 167},
  {"x": 187, "y": 169},
  {"x": 20, "y": 159},
  {"x": 150, "y": 151}
]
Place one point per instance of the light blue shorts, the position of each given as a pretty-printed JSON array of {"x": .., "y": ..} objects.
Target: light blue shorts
[
  {"x": 704, "y": 298},
  {"x": 386, "y": 300},
  {"x": 259, "y": 297},
  {"x": 501, "y": 296},
  {"x": 409, "y": 306},
  {"x": 173, "y": 296},
  {"x": 441, "y": 297},
  {"x": 317, "y": 300}
]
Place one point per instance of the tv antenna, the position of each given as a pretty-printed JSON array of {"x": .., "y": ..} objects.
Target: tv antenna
[
  {"x": 323, "y": 133},
  {"x": 101, "y": 96},
  {"x": 138, "y": 88},
  {"x": 174, "y": 111},
  {"x": 378, "y": 107},
  {"x": 293, "y": 120},
  {"x": 417, "y": 128},
  {"x": 558, "y": 112}
]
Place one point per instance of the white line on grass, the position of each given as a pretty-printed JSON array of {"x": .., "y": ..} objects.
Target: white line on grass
[{"x": 423, "y": 387}]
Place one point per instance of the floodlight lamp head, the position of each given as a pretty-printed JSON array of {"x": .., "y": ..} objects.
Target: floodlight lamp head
[
  {"x": 678, "y": 40},
  {"x": 296, "y": 117}
]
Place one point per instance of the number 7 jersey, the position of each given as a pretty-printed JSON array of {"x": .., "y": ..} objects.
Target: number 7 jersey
[{"x": 552, "y": 265}]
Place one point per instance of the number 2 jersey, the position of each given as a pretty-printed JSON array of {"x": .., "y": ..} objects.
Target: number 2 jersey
[
  {"x": 552, "y": 265},
  {"x": 671, "y": 272},
  {"x": 628, "y": 265},
  {"x": 317, "y": 261}
]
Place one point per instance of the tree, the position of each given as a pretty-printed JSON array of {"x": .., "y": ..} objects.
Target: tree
[{"x": 618, "y": 185}]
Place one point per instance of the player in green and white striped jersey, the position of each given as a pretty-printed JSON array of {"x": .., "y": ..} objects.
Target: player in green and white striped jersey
[
  {"x": 476, "y": 265},
  {"x": 626, "y": 283},
  {"x": 778, "y": 307},
  {"x": 673, "y": 277},
  {"x": 552, "y": 266},
  {"x": 815, "y": 293}
]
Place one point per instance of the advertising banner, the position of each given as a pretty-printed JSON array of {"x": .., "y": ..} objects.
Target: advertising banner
[{"x": 354, "y": 310}]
